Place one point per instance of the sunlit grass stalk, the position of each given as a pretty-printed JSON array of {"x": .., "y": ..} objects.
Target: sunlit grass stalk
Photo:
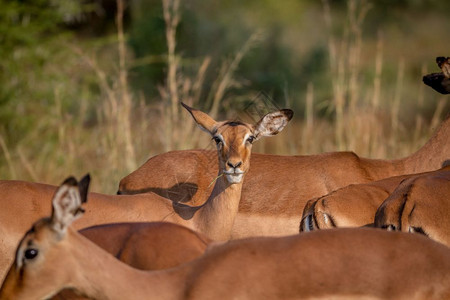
[
  {"x": 124, "y": 126},
  {"x": 357, "y": 11},
  {"x": 377, "y": 130},
  {"x": 228, "y": 71},
  {"x": 397, "y": 97},
  {"x": 437, "y": 114},
  {"x": 28, "y": 165},
  {"x": 378, "y": 70},
  {"x": 7, "y": 154},
  {"x": 337, "y": 74},
  {"x": 309, "y": 119},
  {"x": 215, "y": 179},
  {"x": 171, "y": 17},
  {"x": 420, "y": 102},
  {"x": 191, "y": 96}
]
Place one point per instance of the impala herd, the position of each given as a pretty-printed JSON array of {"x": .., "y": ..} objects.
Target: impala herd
[{"x": 182, "y": 227}]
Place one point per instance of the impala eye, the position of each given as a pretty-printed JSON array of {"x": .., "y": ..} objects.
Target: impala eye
[
  {"x": 419, "y": 230},
  {"x": 389, "y": 227},
  {"x": 30, "y": 253},
  {"x": 250, "y": 139},
  {"x": 217, "y": 140}
]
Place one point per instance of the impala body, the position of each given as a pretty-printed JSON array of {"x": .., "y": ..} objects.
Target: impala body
[
  {"x": 272, "y": 201},
  {"x": 342, "y": 263},
  {"x": 354, "y": 205},
  {"x": 145, "y": 246},
  {"x": 148, "y": 246},
  {"x": 421, "y": 205}
]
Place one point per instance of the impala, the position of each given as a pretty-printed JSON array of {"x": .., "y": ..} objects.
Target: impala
[
  {"x": 354, "y": 205},
  {"x": 23, "y": 202},
  {"x": 350, "y": 206},
  {"x": 344, "y": 264},
  {"x": 421, "y": 205},
  {"x": 145, "y": 246},
  {"x": 148, "y": 246},
  {"x": 272, "y": 202}
]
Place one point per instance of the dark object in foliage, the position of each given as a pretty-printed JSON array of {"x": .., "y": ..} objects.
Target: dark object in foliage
[
  {"x": 440, "y": 82},
  {"x": 444, "y": 64}
]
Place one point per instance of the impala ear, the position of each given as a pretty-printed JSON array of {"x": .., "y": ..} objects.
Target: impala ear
[
  {"x": 273, "y": 122},
  {"x": 390, "y": 213},
  {"x": 205, "y": 122},
  {"x": 83, "y": 187},
  {"x": 67, "y": 203}
]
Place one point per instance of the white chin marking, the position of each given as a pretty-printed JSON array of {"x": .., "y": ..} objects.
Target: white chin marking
[{"x": 234, "y": 178}]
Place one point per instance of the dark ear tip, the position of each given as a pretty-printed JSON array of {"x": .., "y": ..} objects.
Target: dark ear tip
[
  {"x": 70, "y": 181},
  {"x": 83, "y": 187},
  {"x": 86, "y": 178},
  {"x": 186, "y": 106},
  {"x": 288, "y": 113}
]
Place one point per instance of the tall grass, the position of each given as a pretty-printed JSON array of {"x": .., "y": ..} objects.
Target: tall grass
[{"x": 97, "y": 124}]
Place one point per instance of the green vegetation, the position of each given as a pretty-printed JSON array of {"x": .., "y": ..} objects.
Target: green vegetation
[{"x": 82, "y": 92}]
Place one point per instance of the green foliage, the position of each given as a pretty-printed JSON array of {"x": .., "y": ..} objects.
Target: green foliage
[
  {"x": 30, "y": 33},
  {"x": 60, "y": 86}
]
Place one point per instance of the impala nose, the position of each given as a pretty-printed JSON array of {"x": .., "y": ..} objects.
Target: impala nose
[{"x": 234, "y": 166}]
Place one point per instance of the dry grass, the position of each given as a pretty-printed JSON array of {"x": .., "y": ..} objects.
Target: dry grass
[{"x": 110, "y": 136}]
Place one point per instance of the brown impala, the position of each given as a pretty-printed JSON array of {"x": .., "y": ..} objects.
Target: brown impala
[
  {"x": 337, "y": 264},
  {"x": 420, "y": 204},
  {"x": 354, "y": 205},
  {"x": 145, "y": 246},
  {"x": 277, "y": 188}
]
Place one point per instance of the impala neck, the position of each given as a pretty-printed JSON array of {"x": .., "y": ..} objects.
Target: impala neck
[
  {"x": 215, "y": 218},
  {"x": 434, "y": 153},
  {"x": 98, "y": 275}
]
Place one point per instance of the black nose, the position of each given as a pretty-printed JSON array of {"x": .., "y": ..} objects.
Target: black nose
[{"x": 234, "y": 166}]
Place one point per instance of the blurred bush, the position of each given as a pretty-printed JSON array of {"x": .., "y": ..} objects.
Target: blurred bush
[{"x": 350, "y": 69}]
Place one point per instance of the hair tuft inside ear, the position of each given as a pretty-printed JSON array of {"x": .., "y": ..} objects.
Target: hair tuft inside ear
[{"x": 289, "y": 113}]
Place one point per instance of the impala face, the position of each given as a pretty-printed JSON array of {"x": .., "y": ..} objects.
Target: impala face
[
  {"x": 31, "y": 263},
  {"x": 234, "y": 139},
  {"x": 40, "y": 248},
  {"x": 234, "y": 143}
]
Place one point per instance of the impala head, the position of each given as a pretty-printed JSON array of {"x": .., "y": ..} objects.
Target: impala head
[
  {"x": 38, "y": 258},
  {"x": 234, "y": 139},
  {"x": 419, "y": 205}
]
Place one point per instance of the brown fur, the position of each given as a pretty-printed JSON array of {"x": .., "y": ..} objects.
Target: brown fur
[
  {"x": 342, "y": 263},
  {"x": 148, "y": 246},
  {"x": 419, "y": 204},
  {"x": 145, "y": 246},
  {"x": 351, "y": 206},
  {"x": 277, "y": 188}
]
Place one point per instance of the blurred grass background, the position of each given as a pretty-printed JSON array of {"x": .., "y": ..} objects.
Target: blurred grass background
[{"x": 94, "y": 85}]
